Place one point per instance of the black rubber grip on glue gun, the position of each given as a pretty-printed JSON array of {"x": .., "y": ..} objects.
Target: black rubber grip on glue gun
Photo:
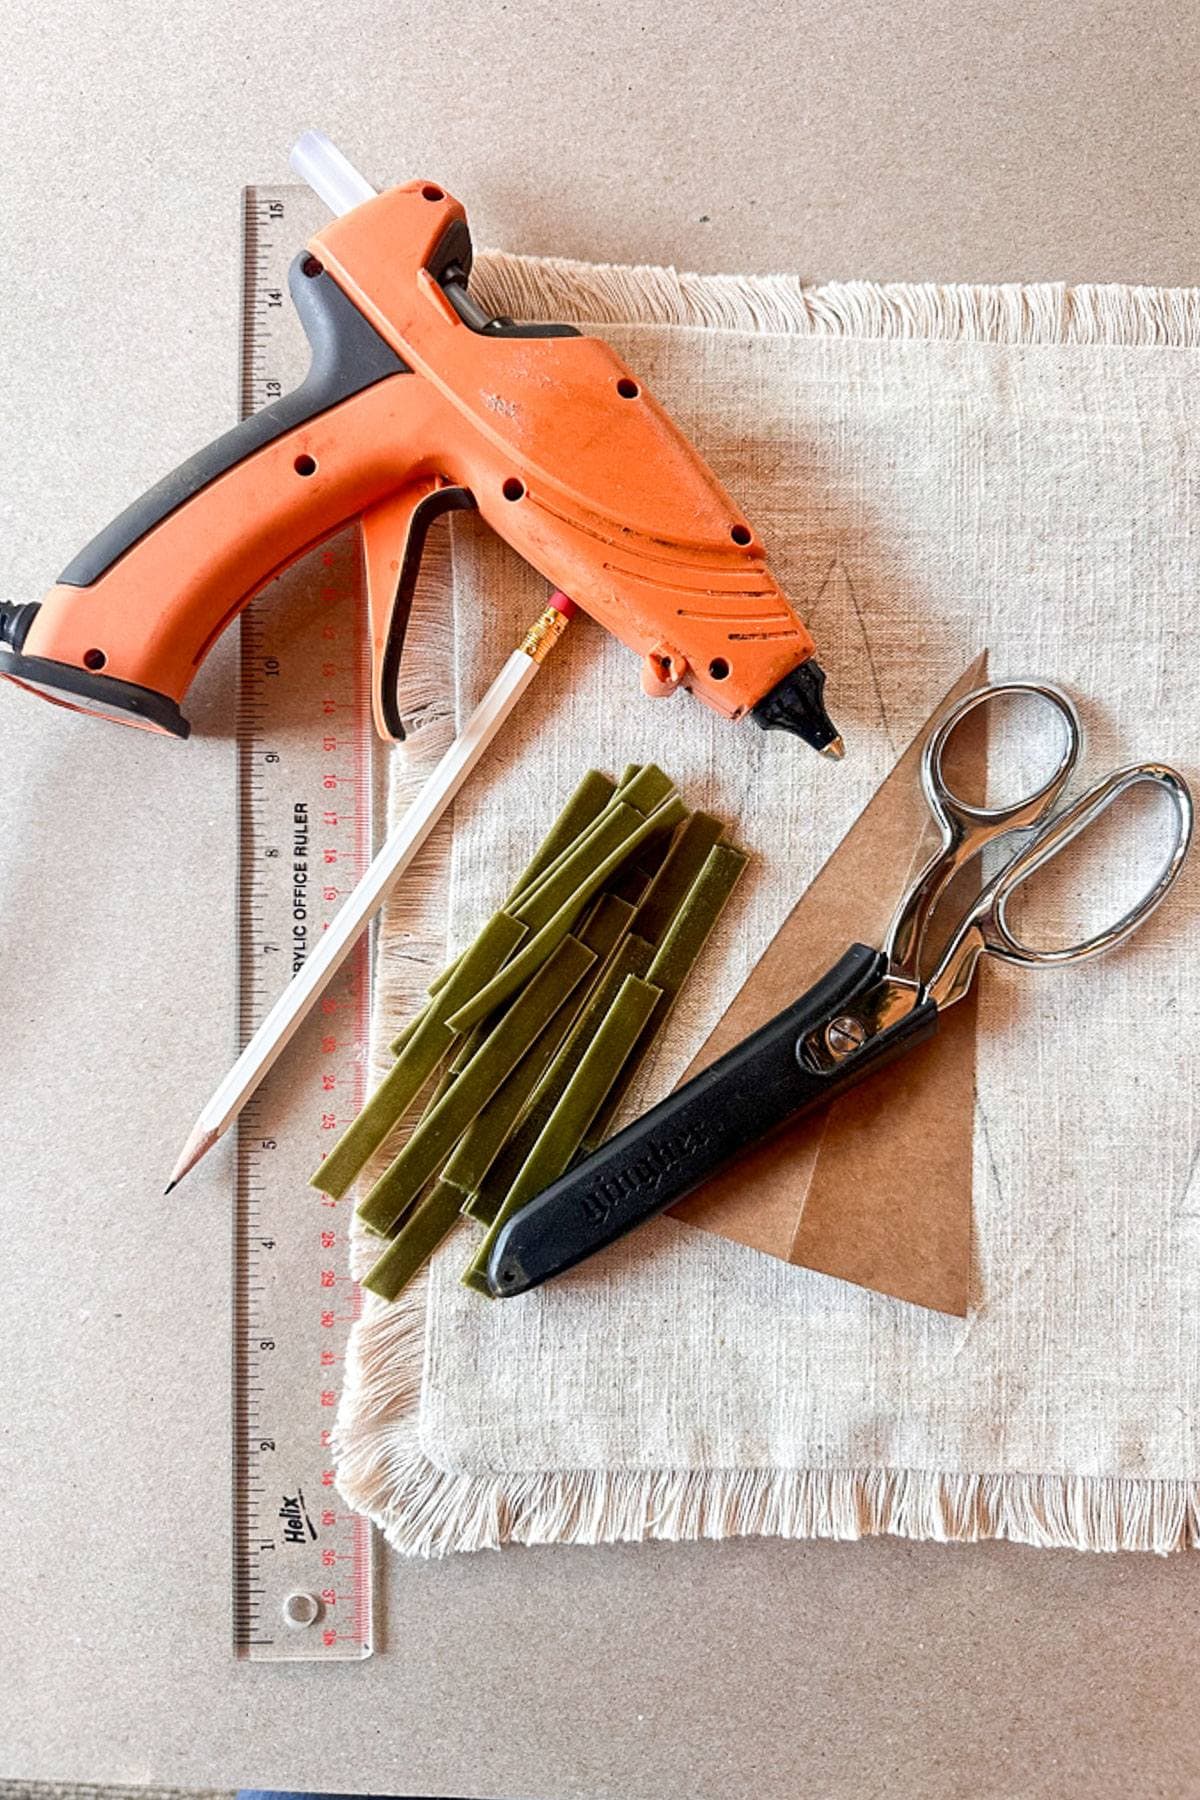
[{"x": 751, "y": 1091}]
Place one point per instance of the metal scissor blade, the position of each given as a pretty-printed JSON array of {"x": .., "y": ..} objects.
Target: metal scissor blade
[{"x": 937, "y": 863}]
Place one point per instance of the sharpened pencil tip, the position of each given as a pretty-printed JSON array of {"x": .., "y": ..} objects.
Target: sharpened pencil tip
[{"x": 198, "y": 1145}]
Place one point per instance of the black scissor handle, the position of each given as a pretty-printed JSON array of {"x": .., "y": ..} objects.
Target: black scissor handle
[{"x": 750, "y": 1092}]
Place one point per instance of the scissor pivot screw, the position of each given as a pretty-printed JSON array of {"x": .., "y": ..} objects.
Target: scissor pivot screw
[{"x": 844, "y": 1035}]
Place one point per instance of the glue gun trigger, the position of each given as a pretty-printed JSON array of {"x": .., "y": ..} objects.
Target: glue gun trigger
[{"x": 393, "y": 538}]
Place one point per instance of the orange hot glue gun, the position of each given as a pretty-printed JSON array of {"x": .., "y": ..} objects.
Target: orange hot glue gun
[{"x": 418, "y": 402}]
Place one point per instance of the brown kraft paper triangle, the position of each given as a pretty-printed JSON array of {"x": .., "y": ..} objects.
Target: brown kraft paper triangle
[{"x": 875, "y": 1188}]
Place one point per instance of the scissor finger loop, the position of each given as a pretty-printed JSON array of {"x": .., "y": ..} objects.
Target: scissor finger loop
[
  {"x": 986, "y": 928},
  {"x": 1000, "y": 938},
  {"x": 966, "y": 829},
  {"x": 962, "y": 821}
]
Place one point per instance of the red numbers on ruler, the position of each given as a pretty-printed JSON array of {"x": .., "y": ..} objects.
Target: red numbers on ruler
[{"x": 331, "y": 768}]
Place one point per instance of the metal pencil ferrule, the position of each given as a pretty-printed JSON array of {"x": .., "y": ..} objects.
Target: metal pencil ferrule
[{"x": 544, "y": 633}]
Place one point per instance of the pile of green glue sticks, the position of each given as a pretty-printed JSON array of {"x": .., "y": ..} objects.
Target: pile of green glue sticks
[{"x": 532, "y": 1036}]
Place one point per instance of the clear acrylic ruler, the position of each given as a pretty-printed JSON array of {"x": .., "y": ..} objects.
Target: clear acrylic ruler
[{"x": 302, "y": 1581}]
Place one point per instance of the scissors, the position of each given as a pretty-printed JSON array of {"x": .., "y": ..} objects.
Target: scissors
[{"x": 871, "y": 1006}]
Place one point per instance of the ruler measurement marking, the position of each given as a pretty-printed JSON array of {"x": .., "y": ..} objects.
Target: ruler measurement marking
[{"x": 288, "y": 1266}]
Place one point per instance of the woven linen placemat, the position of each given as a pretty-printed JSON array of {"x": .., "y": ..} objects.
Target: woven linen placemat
[{"x": 935, "y": 471}]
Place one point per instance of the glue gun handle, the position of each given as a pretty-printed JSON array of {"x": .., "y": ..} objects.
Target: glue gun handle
[{"x": 748, "y": 1093}]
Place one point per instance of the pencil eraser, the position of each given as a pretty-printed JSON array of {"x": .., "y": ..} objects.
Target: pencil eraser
[{"x": 561, "y": 604}]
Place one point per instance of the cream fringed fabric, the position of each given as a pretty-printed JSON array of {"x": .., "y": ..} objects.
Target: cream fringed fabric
[{"x": 935, "y": 471}]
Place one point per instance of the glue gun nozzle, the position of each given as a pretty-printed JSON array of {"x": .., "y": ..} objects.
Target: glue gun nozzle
[{"x": 797, "y": 704}]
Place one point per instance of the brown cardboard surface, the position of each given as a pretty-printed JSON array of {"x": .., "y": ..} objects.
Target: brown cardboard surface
[
  {"x": 1023, "y": 141},
  {"x": 875, "y": 1189}
]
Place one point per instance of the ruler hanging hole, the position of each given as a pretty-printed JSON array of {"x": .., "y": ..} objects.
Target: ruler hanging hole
[
  {"x": 312, "y": 268},
  {"x": 305, "y": 465},
  {"x": 300, "y": 1610}
]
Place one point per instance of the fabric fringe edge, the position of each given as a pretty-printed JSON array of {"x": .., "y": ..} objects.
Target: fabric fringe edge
[
  {"x": 553, "y": 288},
  {"x": 382, "y": 1467},
  {"x": 424, "y": 1510}
]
